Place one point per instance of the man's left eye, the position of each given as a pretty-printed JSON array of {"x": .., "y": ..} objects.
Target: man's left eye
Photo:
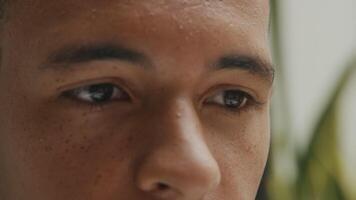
[
  {"x": 98, "y": 93},
  {"x": 233, "y": 99}
]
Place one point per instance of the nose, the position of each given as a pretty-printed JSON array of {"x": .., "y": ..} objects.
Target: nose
[{"x": 178, "y": 164}]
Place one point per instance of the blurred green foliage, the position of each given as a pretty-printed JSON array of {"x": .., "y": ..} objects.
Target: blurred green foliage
[{"x": 317, "y": 174}]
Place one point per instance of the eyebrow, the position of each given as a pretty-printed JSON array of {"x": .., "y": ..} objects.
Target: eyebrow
[
  {"x": 86, "y": 53},
  {"x": 252, "y": 64}
]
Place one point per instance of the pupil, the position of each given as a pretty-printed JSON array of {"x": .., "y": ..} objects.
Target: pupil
[
  {"x": 101, "y": 92},
  {"x": 233, "y": 99}
]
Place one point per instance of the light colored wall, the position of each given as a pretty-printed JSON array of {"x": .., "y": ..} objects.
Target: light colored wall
[{"x": 318, "y": 38}]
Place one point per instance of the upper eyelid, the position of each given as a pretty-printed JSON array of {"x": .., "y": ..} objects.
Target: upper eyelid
[
  {"x": 247, "y": 95},
  {"x": 85, "y": 83},
  {"x": 89, "y": 85},
  {"x": 71, "y": 94},
  {"x": 117, "y": 82},
  {"x": 135, "y": 95},
  {"x": 226, "y": 87}
]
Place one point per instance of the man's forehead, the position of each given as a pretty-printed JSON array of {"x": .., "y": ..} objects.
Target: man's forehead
[
  {"x": 239, "y": 25},
  {"x": 44, "y": 13},
  {"x": 254, "y": 7}
]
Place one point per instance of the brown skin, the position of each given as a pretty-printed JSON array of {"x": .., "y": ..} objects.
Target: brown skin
[{"x": 169, "y": 136}]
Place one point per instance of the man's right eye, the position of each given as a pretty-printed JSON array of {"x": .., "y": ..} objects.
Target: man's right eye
[{"x": 98, "y": 93}]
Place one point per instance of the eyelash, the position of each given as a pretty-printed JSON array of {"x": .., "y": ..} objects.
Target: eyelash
[
  {"x": 246, "y": 102},
  {"x": 250, "y": 102},
  {"x": 100, "y": 89}
]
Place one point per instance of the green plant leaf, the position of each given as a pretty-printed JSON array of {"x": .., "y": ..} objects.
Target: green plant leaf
[{"x": 319, "y": 165}]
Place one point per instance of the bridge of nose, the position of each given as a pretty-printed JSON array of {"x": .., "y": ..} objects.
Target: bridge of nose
[{"x": 179, "y": 158}]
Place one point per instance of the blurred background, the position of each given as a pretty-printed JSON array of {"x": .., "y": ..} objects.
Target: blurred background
[{"x": 313, "y": 153}]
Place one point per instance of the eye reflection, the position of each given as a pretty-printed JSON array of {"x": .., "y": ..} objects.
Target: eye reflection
[
  {"x": 231, "y": 99},
  {"x": 98, "y": 93},
  {"x": 106, "y": 92}
]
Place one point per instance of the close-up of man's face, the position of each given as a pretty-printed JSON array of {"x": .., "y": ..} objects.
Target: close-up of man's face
[{"x": 134, "y": 100}]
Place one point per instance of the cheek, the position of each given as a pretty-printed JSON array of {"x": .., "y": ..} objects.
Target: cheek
[
  {"x": 241, "y": 148},
  {"x": 49, "y": 150}
]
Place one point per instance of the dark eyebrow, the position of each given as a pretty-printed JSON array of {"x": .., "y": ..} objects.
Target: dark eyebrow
[
  {"x": 85, "y": 53},
  {"x": 251, "y": 64}
]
